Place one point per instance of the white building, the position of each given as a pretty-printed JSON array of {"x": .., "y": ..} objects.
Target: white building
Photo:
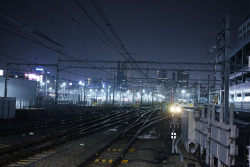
[{"x": 239, "y": 61}]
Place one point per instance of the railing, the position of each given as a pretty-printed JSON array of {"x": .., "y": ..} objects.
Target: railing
[{"x": 242, "y": 105}]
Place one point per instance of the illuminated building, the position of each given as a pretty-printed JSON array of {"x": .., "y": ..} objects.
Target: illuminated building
[
  {"x": 239, "y": 60},
  {"x": 182, "y": 79},
  {"x": 122, "y": 75}
]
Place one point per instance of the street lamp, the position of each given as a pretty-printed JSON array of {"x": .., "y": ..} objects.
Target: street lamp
[
  {"x": 50, "y": 88},
  {"x": 63, "y": 87},
  {"x": 95, "y": 94},
  {"x": 46, "y": 93},
  {"x": 81, "y": 84}
]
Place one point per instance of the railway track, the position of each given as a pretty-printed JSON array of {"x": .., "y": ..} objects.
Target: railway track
[
  {"x": 24, "y": 150},
  {"x": 22, "y": 127},
  {"x": 115, "y": 151}
]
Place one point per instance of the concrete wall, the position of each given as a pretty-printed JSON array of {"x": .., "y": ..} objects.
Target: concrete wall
[
  {"x": 188, "y": 126},
  {"x": 191, "y": 126},
  {"x": 20, "y": 88}
]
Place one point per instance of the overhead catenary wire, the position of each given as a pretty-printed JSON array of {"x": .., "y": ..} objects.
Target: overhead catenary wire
[
  {"x": 109, "y": 25},
  {"x": 70, "y": 34},
  {"x": 129, "y": 58},
  {"x": 8, "y": 56},
  {"x": 39, "y": 34},
  {"x": 116, "y": 46},
  {"x": 76, "y": 21},
  {"x": 112, "y": 30},
  {"x": 32, "y": 39},
  {"x": 72, "y": 20},
  {"x": 42, "y": 35},
  {"x": 33, "y": 30}
]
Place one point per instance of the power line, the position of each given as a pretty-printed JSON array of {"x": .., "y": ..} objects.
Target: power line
[
  {"x": 99, "y": 27},
  {"x": 76, "y": 21},
  {"x": 98, "y": 8},
  {"x": 35, "y": 40},
  {"x": 122, "y": 46},
  {"x": 35, "y": 31},
  {"x": 71, "y": 19},
  {"x": 35, "y": 63},
  {"x": 67, "y": 15}
]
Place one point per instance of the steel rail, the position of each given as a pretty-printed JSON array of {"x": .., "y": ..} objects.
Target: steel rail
[
  {"x": 144, "y": 124},
  {"x": 49, "y": 137},
  {"x": 65, "y": 137},
  {"x": 125, "y": 150},
  {"x": 113, "y": 140},
  {"x": 45, "y": 125}
]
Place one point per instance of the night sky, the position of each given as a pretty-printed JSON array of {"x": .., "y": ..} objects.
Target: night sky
[{"x": 161, "y": 30}]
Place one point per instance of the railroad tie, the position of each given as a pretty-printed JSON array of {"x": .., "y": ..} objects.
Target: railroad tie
[
  {"x": 124, "y": 161},
  {"x": 30, "y": 160},
  {"x": 110, "y": 161},
  {"x": 119, "y": 150}
]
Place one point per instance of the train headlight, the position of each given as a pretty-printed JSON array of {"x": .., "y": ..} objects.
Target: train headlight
[
  {"x": 172, "y": 109},
  {"x": 178, "y": 109},
  {"x": 175, "y": 109}
]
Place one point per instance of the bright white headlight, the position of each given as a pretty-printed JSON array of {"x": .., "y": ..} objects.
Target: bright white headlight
[
  {"x": 172, "y": 109},
  {"x": 178, "y": 109}
]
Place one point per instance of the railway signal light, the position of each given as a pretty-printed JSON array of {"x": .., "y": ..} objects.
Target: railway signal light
[{"x": 173, "y": 135}]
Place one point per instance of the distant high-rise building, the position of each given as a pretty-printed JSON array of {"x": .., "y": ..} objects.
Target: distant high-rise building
[
  {"x": 162, "y": 74},
  {"x": 173, "y": 76},
  {"x": 122, "y": 75},
  {"x": 161, "y": 81},
  {"x": 182, "y": 79}
]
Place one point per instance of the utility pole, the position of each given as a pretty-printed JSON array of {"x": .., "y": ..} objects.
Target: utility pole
[
  {"x": 84, "y": 93},
  {"x": 227, "y": 66},
  {"x": 46, "y": 88},
  {"x": 171, "y": 94},
  {"x": 120, "y": 95},
  {"x": 152, "y": 98},
  {"x": 223, "y": 52},
  {"x": 81, "y": 89},
  {"x": 6, "y": 80},
  {"x": 208, "y": 90},
  {"x": 57, "y": 79},
  {"x": 133, "y": 96},
  {"x": 214, "y": 76},
  {"x": 107, "y": 94},
  {"x": 198, "y": 90},
  {"x": 141, "y": 94},
  {"x": 113, "y": 102}
]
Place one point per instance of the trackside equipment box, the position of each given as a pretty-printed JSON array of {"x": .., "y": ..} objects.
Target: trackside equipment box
[{"x": 7, "y": 107}]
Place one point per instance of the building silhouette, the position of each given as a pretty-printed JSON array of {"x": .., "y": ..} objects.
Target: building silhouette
[
  {"x": 239, "y": 60},
  {"x": 182, "y": 79},
  {"x": 122, "y": 76}
]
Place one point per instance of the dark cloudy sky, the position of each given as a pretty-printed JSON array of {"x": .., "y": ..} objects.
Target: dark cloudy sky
[{"x": 154, "y": 30}]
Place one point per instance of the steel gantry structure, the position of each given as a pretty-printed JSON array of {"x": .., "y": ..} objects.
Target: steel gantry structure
[
  {"x": 169, "y": 66},
  {"x": 154, "y": 66},
  {"x": 151, "y": 66}
]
